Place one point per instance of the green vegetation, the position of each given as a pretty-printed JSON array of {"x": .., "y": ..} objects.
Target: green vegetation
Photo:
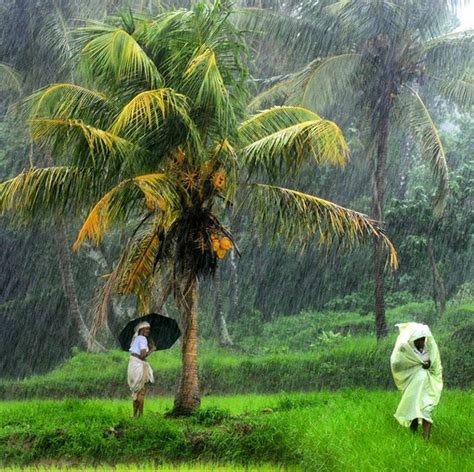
[
  {"x": 349, "y": 430},
  {"x": 311, "y": 351},
  {"x": 150, "y": 467}
]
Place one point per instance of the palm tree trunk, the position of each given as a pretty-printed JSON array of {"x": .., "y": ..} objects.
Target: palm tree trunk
[
  {"x": 220, "y": 324},
  {"x": 378, "y": 195},
  {"x": 187, "y": 397},
  {"x": 439, "y": 286},
  {"x": 69, "y": 285},
  {"x": 234, "y": 288}
]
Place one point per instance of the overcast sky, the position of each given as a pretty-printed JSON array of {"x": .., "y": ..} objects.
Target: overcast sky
[{"x": 466, "y": 16}]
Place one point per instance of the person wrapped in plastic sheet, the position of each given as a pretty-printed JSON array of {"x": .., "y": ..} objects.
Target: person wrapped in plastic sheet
[{"x": 417, "y": 372}]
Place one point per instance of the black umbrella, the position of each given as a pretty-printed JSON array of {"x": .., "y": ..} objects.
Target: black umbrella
[{"x": 164, "y": 331}]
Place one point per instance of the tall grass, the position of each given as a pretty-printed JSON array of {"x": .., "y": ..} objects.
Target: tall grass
[{"x": 311, "y": 351}]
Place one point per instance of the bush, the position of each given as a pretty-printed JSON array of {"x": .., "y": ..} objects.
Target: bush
[{"x": 211, "y": 416}]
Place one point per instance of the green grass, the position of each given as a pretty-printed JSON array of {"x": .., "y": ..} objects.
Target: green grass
[
  {"x": 347, "y": 430},
  {"x": 150, "y": 467}
]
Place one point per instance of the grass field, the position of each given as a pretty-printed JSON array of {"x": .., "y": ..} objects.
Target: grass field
[
  {"x": 347, "y": 430},
  {"x": 343, "y": 423}
]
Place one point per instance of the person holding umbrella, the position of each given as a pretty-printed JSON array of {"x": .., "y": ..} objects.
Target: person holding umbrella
[
  {"x": 139, "y": 371},
  {"x": 140, "y": 337}
]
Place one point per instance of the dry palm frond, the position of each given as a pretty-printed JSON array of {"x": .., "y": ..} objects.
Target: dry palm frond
[
  {"x": 300, "y": 217},
  {"x": 145, "y": 191},
  {"x": 140, "y": 263}
]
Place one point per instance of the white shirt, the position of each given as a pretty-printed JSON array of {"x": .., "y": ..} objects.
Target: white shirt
[{"x": 139, "y": 343}]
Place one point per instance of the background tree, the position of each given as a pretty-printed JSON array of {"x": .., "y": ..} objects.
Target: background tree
[
  {"x": 375, "y": 57},
  {"x": 437, "y": 251}
]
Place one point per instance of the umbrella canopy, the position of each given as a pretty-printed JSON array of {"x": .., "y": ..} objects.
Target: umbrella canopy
[{"x": 164, "y": 331}]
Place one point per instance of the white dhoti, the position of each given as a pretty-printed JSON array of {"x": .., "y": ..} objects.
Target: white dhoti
[{"x": 139, "y": 374}]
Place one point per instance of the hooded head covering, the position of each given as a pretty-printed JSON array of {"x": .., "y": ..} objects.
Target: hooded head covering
[{"x": 410, "y": 332}]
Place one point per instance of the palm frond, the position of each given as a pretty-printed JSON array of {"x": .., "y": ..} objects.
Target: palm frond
[
  {"x": 459, "y": 91},
  {"x": 300, "y": 217},
  {"x": 133, "y": 273},
  {"x": 432, "y": 149},
  {"x": 452, "y": 53},
  {"x": 138, "y": 269},
  {"x": 9, "y": 79},
  {"x": 283, "y": 137},
  {"x": 40, "y": 191},
  {"x": 115, "y": 55},
  {"x": 289, "y": 32},
  {"x": 149, "y": 109},
  {"x": 56, "y": 36},
  {"x": 206, "y": 85},
  {"x": 155, "y": 192},
  {"x": 277, "y": 93},
  {"x": 78, "y": 140},
  {"x": 317, "y": 86},
  {"x": 65, "y": 100},
  {"x": 326, "y": 81}
]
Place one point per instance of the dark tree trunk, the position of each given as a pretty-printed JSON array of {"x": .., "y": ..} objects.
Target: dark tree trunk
[
  {"x": 220, "y": 324},
  {"x": 439, "y": 287},
  {"x": 378, "y": 195},
  {"x": 69, "y": 285},
  {"x": 187, "y": 397},
  {"x": 69, "y": 288}
]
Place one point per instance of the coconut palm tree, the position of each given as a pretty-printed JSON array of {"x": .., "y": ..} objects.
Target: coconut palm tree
[
  {"x": 376, "y": 59},
  {"x": 156, "y": 139}
]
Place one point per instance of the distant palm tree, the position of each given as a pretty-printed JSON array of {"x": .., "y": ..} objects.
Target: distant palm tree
[
  {"x": 373, "y": 58},
  {"x": 40, "y": 54},
  {"x": 163, "y": 146}
]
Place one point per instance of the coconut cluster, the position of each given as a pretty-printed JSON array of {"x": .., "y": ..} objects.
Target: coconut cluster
[{"x": 220, "y": 245}]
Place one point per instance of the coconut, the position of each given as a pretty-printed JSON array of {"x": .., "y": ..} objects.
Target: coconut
[
  {"x": 225, "y": 243},
  {"x": 221, "y": 253}
]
